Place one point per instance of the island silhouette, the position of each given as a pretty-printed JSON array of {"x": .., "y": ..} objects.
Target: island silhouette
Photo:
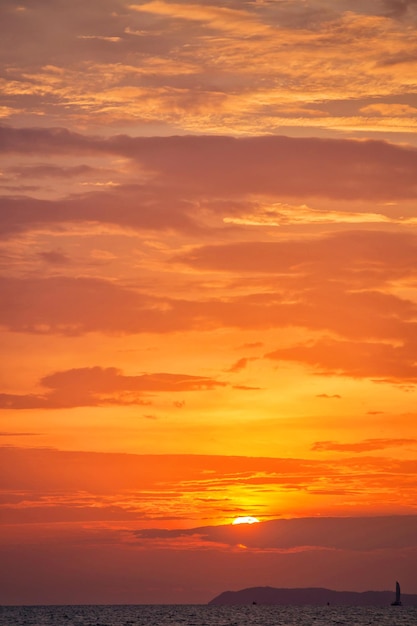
[{"x": 311, "y": 596}]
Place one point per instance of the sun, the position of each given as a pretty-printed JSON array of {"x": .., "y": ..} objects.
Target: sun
[{"x": 246, "y": 520}]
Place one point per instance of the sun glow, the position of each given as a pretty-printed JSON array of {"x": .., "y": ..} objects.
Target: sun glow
[{"x": 245, "y": 520}]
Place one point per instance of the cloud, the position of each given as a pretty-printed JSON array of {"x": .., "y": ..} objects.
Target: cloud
[
  {"x": 141, "y": 209},
  {"x": 233, "y": 21},
  {"x": 241, "y": 364},
  {"x": 399, "y": 8},
  {"x": 48, "y": 170},
  {"x": 54, "y": 257},
  {"x": 216, "y": 67},
  {"x": 281, "y": 215},
  {"x": 216, "y": 476},
  {"x": 390, "y": 109},
  {"x": 98, "y": 386},
  {"x": 344, "y": 169},
  {"x": 101, "y": 38},
  {"x": 336, "y": 286},
  {"x": 329, "y": 397},
  {"x": 390, "y": 363},
  {"x": 263, "y": 165},
  {"x": 246, "y": 388},
  {"x": 41, "y": 484},
  {"x": 153, "y": 208},
  {"x": 366, "y": 331},
  {"x": 331, "y": 254},
  {"x": 11, "y": 434},
  {"x": 295, "y": 15},
  {"x": 368, "y": 445},
  {"x": 349, "y": 533},
  {"x": 74, "y": 305},
  {"x": 43, "y": 141}
]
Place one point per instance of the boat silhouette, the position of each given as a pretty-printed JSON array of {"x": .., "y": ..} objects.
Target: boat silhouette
[{"x": 397, "y": 601}]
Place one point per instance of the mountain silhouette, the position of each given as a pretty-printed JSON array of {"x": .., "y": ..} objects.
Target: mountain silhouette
[{"x": 310, "y": 596}]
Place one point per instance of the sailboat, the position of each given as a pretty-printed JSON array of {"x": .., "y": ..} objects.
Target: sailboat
[{"x": 397, "y": 601}]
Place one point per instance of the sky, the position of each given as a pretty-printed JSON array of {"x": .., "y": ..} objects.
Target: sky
[{"x": 209, "y": 297}]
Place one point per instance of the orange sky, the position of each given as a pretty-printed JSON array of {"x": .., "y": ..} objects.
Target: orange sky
[{"x": 209, "y": 297}]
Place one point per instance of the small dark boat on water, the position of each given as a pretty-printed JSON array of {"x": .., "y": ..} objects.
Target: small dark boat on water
[{"x": 397, "y": 601}]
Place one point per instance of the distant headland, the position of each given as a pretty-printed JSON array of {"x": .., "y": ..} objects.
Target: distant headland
[{"x": 310, "y": 596}]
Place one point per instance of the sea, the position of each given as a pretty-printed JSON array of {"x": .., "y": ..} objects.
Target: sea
[{"x": 199, "y": 615}]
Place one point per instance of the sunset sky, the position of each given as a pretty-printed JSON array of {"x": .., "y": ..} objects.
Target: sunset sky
[{"x": 208, "y": 297}]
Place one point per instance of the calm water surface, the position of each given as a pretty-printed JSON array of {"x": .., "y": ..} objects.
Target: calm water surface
[{"x": 193, "y": 615}]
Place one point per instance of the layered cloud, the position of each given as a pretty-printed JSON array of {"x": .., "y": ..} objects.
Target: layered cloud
[
  {"x": 278, "y": 166},
  {"x": 143, "y": 209},
  {"x": 357, "y": 534},
  {"x": 97, "y": 386},
  {"x": 208, "y": 255},
  {"x": 357, "y": 303},
  {"x": 51, "y": 485},
  {"x": 209, "y": 67}
]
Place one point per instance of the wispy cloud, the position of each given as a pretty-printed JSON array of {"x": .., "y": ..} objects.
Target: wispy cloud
[
  {"x": 184, "y": 487},
  {"x": 368, "y": 445},
  {"x": 206, "y": 67},
  {"x": 221, "y": 18}
]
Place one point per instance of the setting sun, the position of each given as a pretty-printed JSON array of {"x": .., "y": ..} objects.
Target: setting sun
[{"x": 245, "y": 520}]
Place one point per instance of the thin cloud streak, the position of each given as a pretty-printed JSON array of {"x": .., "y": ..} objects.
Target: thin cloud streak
[
  {"x": 357, "y": 534},
  {"x": 147, "y": 486},
  {"x": 363, "y": 446}
]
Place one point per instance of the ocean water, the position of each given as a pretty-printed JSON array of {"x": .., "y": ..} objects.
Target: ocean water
[{"x": 197, "y": 615}]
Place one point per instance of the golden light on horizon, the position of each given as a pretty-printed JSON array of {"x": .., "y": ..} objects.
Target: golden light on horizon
[{"x": 245, "y": 520}]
